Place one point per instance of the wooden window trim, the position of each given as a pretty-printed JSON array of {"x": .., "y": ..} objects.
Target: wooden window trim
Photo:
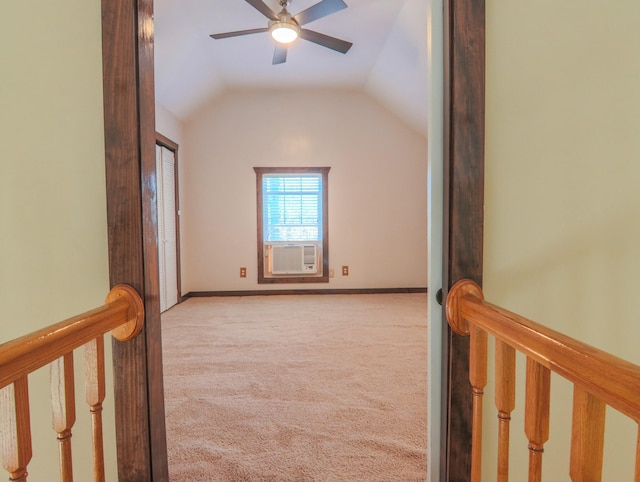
[{"x": 324, "y": 275}]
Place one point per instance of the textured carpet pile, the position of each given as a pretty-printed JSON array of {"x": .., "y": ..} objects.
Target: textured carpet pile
[{"x": 296, "y": 388}]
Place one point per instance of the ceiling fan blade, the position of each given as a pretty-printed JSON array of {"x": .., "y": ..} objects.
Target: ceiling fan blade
[
  {"x": 333, "y": 43},
  {"x": 319, "y": 10},
  {"x": 261, "y": 7},
  {"x": 279, "y": 54},
  {"x": 237, "y": 33}
]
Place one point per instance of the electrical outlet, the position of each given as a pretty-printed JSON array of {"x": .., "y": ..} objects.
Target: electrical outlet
[
  {"x": 345, "y": 271},
  {"x": 243, "y": 272}
]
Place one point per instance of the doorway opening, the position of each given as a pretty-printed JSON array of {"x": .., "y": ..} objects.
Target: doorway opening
[
  {"x": 168, "y": 197},
  {"x": 230, "y": 115}
]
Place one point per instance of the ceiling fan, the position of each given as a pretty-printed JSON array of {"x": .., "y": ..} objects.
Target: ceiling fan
[{"x": 285, "y": 28}]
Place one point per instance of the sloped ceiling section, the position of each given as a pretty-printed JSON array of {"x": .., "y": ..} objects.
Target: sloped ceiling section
[
  {"x": 388, "y": 58},
  {"x": 399, "y": 78}
]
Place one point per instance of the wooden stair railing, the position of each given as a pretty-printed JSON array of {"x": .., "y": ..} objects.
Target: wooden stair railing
[
  {"x": 588, "y": 368},
  {"x": 123, "y": 315}
]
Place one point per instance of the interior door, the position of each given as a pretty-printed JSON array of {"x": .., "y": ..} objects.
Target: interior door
[{"x": 167, "y": 232}]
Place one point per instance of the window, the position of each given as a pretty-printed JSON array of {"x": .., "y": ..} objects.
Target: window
[{"x": 292, "y": 224}]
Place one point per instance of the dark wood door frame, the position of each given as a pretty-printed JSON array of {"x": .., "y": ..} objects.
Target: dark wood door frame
[
  {"x": 127, "y": 28},
  {"x": 173, "y": 147},
  {"x": 464, "y": 57},
  {"x": 129, "y": 111}
]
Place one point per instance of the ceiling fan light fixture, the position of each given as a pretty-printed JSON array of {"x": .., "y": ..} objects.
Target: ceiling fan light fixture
[{"x": 285, "y": 30}]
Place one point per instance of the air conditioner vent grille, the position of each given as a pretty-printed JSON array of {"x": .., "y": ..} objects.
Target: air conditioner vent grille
[{"x": 294, "y": 259}]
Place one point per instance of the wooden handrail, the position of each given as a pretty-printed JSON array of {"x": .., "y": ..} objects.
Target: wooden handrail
[
  {"x": 588, "y": 368},
  {"x": 578, "y": 362},
  {"x": 123, "y": 315}
]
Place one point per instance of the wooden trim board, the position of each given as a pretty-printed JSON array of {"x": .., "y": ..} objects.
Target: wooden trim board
[{"x": 366, "y": 291}]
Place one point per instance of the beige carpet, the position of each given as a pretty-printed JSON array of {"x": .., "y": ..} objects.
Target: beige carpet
[{"x": 296, "y": 388}]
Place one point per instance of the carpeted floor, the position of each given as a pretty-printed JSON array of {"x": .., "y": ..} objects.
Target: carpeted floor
[{"x": 296, "y": 388}]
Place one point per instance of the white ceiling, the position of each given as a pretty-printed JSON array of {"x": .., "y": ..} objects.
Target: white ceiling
[{"x": 388, "y": 59}]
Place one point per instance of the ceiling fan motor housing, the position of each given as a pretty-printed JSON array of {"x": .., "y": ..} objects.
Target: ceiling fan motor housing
[{"x": 286, "y": 26}]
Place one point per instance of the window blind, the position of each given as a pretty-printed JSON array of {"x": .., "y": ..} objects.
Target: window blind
[{"x": 292, "y": 207}]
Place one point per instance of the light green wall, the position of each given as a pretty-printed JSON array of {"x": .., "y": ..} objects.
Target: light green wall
[
  {"x": 562, "y": 203},
  {"x": 53, "y": 242}
]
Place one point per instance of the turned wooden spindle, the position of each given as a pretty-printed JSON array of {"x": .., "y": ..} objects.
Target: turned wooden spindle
[
  {"x": 477, "y": 361},
  {"x": 15, "y": 429},
  {"x": 94, "y": 395},
  {"x": 536, "y": 415},
  {"x": 63, "y": 404},
  {"x": 478, "y": 379},
  {"x": 587, "y": 436},
  {"x": 505, "y": 399}
]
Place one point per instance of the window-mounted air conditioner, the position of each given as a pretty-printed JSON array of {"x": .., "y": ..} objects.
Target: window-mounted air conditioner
[{"x": 294, "y": 259}]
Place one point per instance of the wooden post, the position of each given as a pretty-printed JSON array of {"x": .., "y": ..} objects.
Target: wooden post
[
  {"x": 127, "y": 30},
  {"x": 464, "y": 41},
  {"x": 536, "y": 415},
  {"x": 505, "y": 402},
  {"x": 478, "y": 379},
  {"x": 94, "y": 395},
  {"x": 15, "y": 429},
  {"x": 63, "y": 405},
  {"x": 587, "y": 436}
]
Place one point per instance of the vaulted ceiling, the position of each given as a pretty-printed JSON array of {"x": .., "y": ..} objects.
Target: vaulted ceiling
[{"x": 388, "y": 59}]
